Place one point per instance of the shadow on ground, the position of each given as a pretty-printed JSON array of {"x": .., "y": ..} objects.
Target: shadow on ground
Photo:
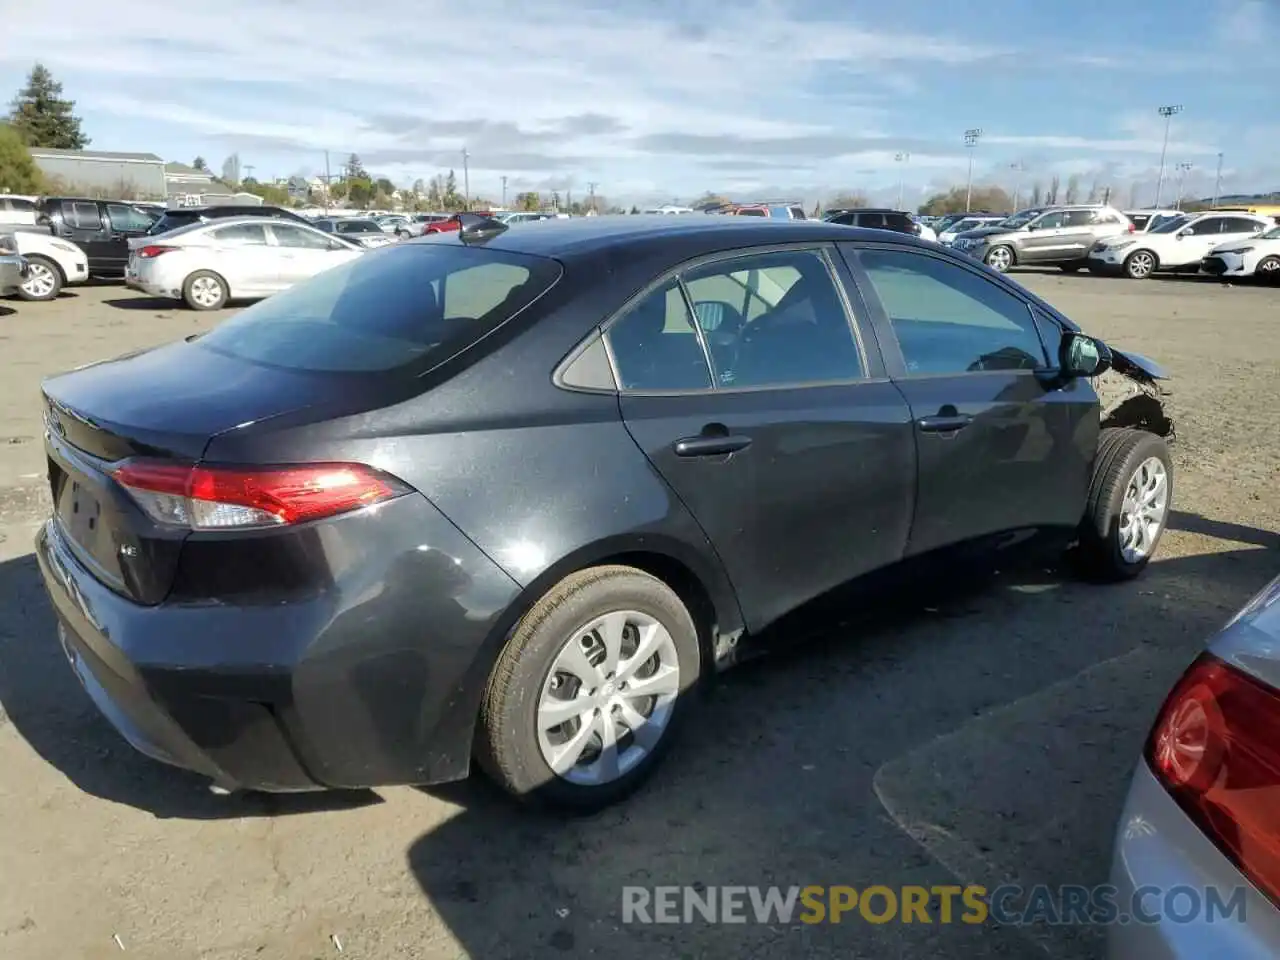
[{"x": 155, "y": 304}]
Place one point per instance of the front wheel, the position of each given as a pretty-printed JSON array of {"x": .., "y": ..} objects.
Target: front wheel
[
  {"x": 44, "y": 279},
  {"x": 1140, "y": 264},
  {"x": 999, "y": 258},
  {"x": 589, "y": 691},
  {"x": 1268, "y": 269},
  {"x": 1128, "y": 505}
]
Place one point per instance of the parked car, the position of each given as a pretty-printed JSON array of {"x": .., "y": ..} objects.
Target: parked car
[
  {"x": 101, "y": 228},
  {"x": 419, "y": 222},
  {"x": 1147, "y": 220},
  {"x": 1060, "y": 236},
  {"x": 17, "y": 211},
  {"x": 880, "y": 219},
  {"x": 13, "y": 269},
  {"x": 185, "y": 216},
  {"x": 395, "y": 224},
  {"x": 1201, "y": 809},
  {"x": 453, "y": 223},
  {"x": 289, "y": 554},
  {"x": 947, "y": 236},
  {"x": 51, "y": 263},
  {"x": 523, "y": 216},
  {"x": 775, "y": 210},
  {"x": 1179, "y": 244},
  {"x": 366, "y": 233},
  {"x": 1259, "y": 256},
  {"x": 206, "y": 264}
]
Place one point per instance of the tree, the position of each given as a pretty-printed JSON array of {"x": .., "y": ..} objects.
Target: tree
[
  {"x": 42, "y": 117},
  {"x": 849, "y": 199},
  {"x": 1052, "y": 196},
  {"x": 528, "y": 201},
  {"x": 1037, "y": 194},
  {"x": 231, "y": 170},
  {"x": 199, "y": 164},
  {"x": 1073, "y": 189},
  {"x": 555, "y": 200},
  {"x": 435, "y": 194},
  {"x": 385, "y": 186},
  {"x": 1095, "y": 192},
  {"x": 360, "y": 191},
  {"x": 419, "y": 188},
  {"x": 354, "y": 169},
  {"x": 269, "y": 192},
  {"x": 452, "y": 199},
  {"x": 710, "y": 200},
  {"x": 18, "y": 172},
  {"x": 635, "y": 209},
  {"x": 953, "y": 201}
]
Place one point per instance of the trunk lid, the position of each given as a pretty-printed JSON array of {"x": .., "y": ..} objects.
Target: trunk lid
[{"x": 166, "y": 403}]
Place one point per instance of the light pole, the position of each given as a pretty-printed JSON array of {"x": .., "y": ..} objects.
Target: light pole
[
  {"x": 1217, "y": 181},
  {"x": 504, "y": 193},
  {"x": 971, "y": 138},
  {"x": 902, "y": 158},
  {"x": 328, "y": 178},
  {"x": 466, "y": 180},
  {"x": 1182, "y": 169},
  {"x": 591, "y": 187},
  {"x": 1018, "y": 168},
  {"x": 1168, "y": 113}
]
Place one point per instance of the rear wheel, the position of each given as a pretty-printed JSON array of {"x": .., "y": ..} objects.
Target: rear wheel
[
  {"x": 1129, "y": 500},
  {"x": 205, "y": 290},
  {"x": 44, "y": 279},
  {"x": 999, "y": 258},
  {"x": 588, "y": 694},
  {"x": 1140, "y": 264},
  {"x": 1268, "y": 269}
]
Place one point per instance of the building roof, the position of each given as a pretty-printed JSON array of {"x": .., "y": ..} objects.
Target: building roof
[{"x": 91, "y": 154}]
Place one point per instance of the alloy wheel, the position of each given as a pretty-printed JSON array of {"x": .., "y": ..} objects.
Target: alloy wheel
[
  {"x": 1000, "y": 259},
  {"x": 1141, "y": 264},
  {"x": 1142, "y": 514},
  {"x": 40, "y": 282},
  {"x": 608, "y": 697},
  {"x": 206, "y": 291}
]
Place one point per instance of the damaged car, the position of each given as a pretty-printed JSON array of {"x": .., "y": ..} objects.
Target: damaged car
[{"x": 507, "y": 498}]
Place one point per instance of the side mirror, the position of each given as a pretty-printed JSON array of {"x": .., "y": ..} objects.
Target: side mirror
[
  {"x": 1033, "y": 226},
  {"x": 1184, "y": 232},
  {"x": 1080, "y": 355}
]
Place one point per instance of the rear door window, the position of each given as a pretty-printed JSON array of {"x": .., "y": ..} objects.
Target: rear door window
[
  {"x": 81, "y": 215},
  {"x": 241, "y": 235},
  {"x": 126, "y": 218},
  {"x": 410, "y": 306}
]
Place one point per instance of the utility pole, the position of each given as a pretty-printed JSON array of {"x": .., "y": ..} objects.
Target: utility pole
[
  {"x": 971, "y": 138},
  {"x": 1217, "y": 181},
  {"x": 902, "y": 158},
  {"x": 591, "y": 187},
  {"x": 248, "y": 172},
  {"x": 466, "y": 180},
  {"x": 1018, "y": 168},
  {"x": 1168, "y": 112},
  {"x": 1183, "y": 168},
  {"x": 328, "y": 179},
  {"x": 504, "y": 192}
]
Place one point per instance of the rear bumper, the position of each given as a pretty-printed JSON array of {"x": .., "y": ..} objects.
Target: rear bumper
[
  {"x": 1160, "y": 850},
  {"x": 372, "y": 679}
]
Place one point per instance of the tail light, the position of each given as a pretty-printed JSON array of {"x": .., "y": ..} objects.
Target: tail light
[
  {"x": 1216, "y": 749},
  {"x": 154, "y": 250},
  {"x": 236, "y": 498}
]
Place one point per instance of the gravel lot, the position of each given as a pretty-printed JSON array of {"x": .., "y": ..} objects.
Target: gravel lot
[{"x": 985, "y": 737}]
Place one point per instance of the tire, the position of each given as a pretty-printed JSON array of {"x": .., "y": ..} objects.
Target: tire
[
  {"x": 1128, "y": 461},
  {"x": 1268, "y": 270},
  {"x": 1000, "y": 258},
  {"x": 1140, "y": 265},
  {"x": 514, "y": 750},
  {"x": 1073, "y": 267},
  {"x": 205, "y": 290},
  {"x": 44, "y": 279}
]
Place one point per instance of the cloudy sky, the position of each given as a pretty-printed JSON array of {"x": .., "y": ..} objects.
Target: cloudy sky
[{"x": 664, "y": 99}]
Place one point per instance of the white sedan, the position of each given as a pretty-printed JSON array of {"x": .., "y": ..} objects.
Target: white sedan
[
  {"x": 1259, "y": 256},
  {"x": 52, "y": 263},
  {"x": 1174, "y": 245},
  {"x": 206, "y": 264}
]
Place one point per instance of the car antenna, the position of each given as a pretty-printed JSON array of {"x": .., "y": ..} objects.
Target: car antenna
[{"x": 475, "y": 228}]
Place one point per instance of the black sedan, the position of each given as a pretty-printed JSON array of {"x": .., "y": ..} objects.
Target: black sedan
[{"x": 510, "y": 495}]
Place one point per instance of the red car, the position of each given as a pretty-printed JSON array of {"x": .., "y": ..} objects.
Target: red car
[{"x": 453, "y": 223}]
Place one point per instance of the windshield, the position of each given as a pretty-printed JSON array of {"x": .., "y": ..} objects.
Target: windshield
[
  {"x": 1272, "y": 234},
  {"x": 172, "y": 221},
  {"x": 388, "y": 309},
  {"x": 1020, "y": 219},
  {"x": 1172, "y": 226}
]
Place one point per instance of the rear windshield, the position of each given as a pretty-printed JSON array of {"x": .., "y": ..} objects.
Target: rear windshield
[
  {"x": 172, "y": 220},
  {"x": 358, "y": 226},
  {"x": 388, "y": 309}
]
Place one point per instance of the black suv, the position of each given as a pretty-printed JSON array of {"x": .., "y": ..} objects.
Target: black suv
[
  {"x": 101, "y": 228},
  {"x": 185, "y": 216},
  {"x": 875, "y": 218}
]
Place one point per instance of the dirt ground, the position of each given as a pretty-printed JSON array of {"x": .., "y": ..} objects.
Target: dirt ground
[{"x": 982, "y": 738}]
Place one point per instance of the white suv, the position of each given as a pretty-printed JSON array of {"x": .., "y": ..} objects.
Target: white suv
[{"x": 1174, "y": 245}]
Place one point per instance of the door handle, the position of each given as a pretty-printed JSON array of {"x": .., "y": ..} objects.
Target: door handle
[
  {"x": 943, "y": 423},
  {"x": 712, "y": 445}
]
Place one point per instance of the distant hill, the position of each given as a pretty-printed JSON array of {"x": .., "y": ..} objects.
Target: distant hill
[{"x": 1233, "y": 199}]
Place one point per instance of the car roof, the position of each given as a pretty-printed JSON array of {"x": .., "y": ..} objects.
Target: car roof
[{"x": 585, "y": 236}]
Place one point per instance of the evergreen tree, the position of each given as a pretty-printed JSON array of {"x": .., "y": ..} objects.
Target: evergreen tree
[{"x": 42, "y": 117}]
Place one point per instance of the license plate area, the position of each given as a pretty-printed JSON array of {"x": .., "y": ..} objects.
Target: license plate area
[{"x": 80, "y": 513}]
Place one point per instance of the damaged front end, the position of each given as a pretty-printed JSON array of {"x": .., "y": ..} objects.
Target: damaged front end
[{"x": 1132, "y": 394}]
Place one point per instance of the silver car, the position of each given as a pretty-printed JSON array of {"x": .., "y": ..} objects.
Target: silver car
[
  {"x": 1203, "y": 812},
  {"x": 1059, "y": 236}
]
